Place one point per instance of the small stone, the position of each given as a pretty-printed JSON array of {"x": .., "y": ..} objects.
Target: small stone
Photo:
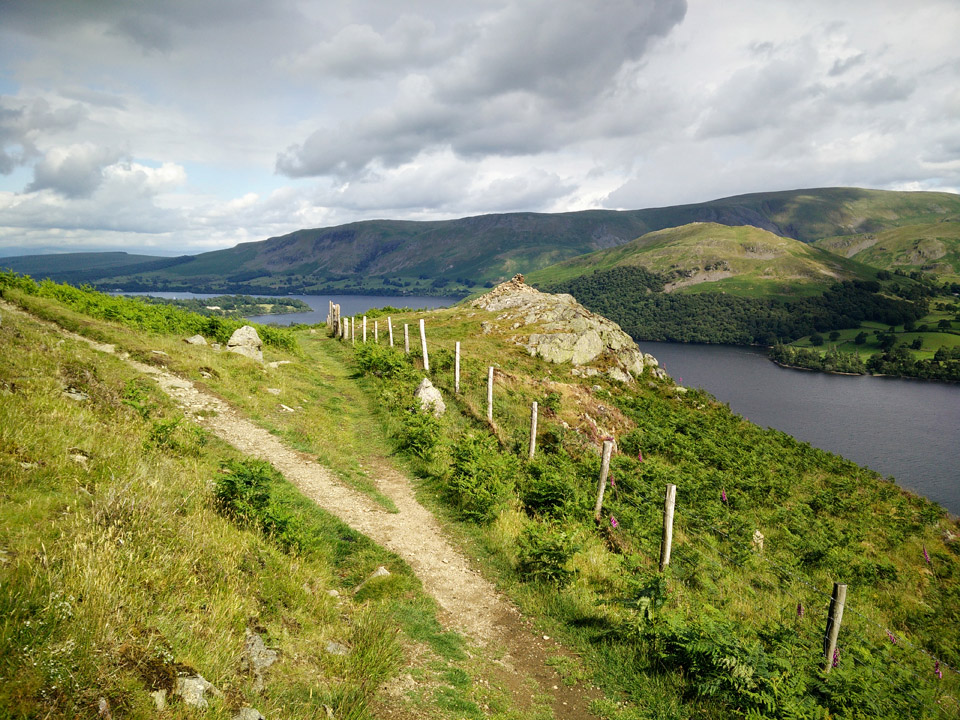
[
  {"x": 273, "y": 391},
  {"x": 248, "y": 713},
  {"x": 257, "y": 657},
  {"x": 103, "y": 709},
  {"x": 159, "y": 352},
  {"x": 196, "y": 340},
  {"x": 191, "y": 689},
  {"x": 286, "y": 408},
  {"x": 333, "y": 593},
  {"x": 758, "y": 541},
  {"x": 278, "y": 363},
  {"x": 75, "y": 394},
  {"x": 159, "y": 699},
  {"x": 335, "y": 648}
]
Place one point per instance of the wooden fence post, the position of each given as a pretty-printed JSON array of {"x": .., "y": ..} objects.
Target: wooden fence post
[
  {"x": 666, "y": 543},
  {"x": 376, "y": 331},
  {"x": 604, "y": 470},
  {"x": 353, "y": 330},
  {"x": 456, "y": 369},
  {"x": 423, "y": 346},
  {"x": 406, "y": 339},
  {"x": 364, "y": 329},
  {"x": 490, "y": 394},
  {"x": 533, "y": 429},
  {"x": 834, "y": 616},
  {"x": 390, "y": 329}
]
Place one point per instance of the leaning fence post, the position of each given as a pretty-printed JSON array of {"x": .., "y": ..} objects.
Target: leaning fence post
[
  {"x": 390, "y": 329},
  {"x": 666, "y": 543},
  {"x": 456, "y": 369},
  {"x": 533, "y": 429},
  {"x": 604, "y": 470},
  {"x": 406, "y": 339},
  {"x": 423, "y": 346},
  {"x": 834, "y": 616},
  {"x": 490, "y": 394},
  {"x": 364, "y": 329}
]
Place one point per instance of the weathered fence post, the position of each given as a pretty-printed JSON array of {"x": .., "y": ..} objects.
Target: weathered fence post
[
  {"x": 533, "y": 429},
  {"x": 423, "y": 346},
  {"x": 604, "y": 470},
  {"x": 390, "y": 329},
  {"x": 834, "y": 616},
  {"x": 353, "y": 330},
  {"x": 456, "y": 369},
  {"x": 364, "y": 329},
  {"x": 666, "y": 543},
  {"x": 406, "y": 339},
  {"x": 376, "y": 331},
  {"x": 490, "y": 394}
]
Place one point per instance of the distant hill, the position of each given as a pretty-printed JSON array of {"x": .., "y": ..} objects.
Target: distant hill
[
  {"x": 85, "y": 266},
  {"x": 709, "y": 257},
  {"x": 932, "y": 248},
  {"x": 451, "y": 256}
]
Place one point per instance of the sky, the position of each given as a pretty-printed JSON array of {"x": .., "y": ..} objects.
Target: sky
[{"x": 192, "y": 125}]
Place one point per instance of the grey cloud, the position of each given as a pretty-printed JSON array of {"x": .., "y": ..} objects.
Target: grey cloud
[
  {"x": 874, "y": 90},
  {"x": 841, "y": 66},
  {"x": 534, "y": 71},
  {"x": 23, "y": 124},
  {"x": 96, "y": 98},
  {"x": 74, "y": 172}
]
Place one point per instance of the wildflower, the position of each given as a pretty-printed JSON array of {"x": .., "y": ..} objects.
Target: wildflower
[
  {"x": 925, "y": 555},
  {"x": 614, "y": 523},
  {"x": 937, "y": 671},
  {"x": 893, "y": 638},
  {"x": 640, "y": 455},
  {"x": 799, "y": 610},
  {"x": 836, "y": 657},
  {"x": 723, "y": 494}
]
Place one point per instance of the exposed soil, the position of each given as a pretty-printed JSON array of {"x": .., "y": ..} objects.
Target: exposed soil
[{"x": 469, "y": 603}]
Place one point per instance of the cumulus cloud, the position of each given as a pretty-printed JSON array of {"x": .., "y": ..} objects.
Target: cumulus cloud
[
  {"x": 23, "y": 124},
  {"x": 74, "y": 171}
]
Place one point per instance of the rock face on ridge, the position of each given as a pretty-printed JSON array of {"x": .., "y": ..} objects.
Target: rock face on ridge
[{"x": 565, "y": 331}]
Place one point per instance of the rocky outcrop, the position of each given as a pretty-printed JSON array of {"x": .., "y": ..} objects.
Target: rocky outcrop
[
  {"x": 245, "y": 341},
  {"x": 565, "y": 331}
]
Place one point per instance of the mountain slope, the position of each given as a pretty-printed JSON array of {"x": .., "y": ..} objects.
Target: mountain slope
[
  {"x": 924, "y": 247},
  {"x": 392, "y": 256},
  {"x": 708, "y": 257}
]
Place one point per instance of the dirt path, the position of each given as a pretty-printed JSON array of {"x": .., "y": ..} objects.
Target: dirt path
[{"x": 469, "y": 603}]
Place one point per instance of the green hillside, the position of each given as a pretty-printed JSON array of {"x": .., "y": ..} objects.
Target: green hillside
[
  {"x": 708, "y": 257},
  {"x": 459, "y": 256},
  {"x": 932, "y": 248}
]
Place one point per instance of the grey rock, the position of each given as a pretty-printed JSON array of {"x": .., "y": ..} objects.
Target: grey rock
[
  {"x": 381, "y": 571},
  {"x": 278, "y": 363},
  {"x": 159, "y": 699},
  {"x": 248, "y": 713},
  {"x": 273, "y": 391},
  {"x": 246, "y": 342},
  {"x": 430, "y": 398},
  {"x": 257, "y": 657},
  {"x": 335, "y": 648},
  {"x": 75, "y": 394},
  {"x": 192, "y": 690},
  {"x": 195, "y": 340}
]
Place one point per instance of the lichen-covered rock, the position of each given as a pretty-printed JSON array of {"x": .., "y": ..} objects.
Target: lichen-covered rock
[
  {"x": 430, "y": 398},
  {"x": 192, "y": 690},
  {"x": 564, "y": 330},
  {"x": 245, "y": 341}
]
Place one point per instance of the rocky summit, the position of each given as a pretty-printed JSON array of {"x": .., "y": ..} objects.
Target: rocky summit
[{"x": 562, "y": 330}]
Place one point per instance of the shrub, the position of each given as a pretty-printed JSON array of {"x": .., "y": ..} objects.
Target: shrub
[
  {"x": 419, "y": 433},
  {"x": 481, "y": 477},
  {"x": 548, "y": 487},
  {"x": 383, "y": 361},
  {"x": 544, "y": 552},
  {"x": 243, "y": 491}
]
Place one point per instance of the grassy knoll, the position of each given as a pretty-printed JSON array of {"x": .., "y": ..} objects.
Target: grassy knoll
[
  {"x": 729, "y": 630},
  {"x": 134, "y": 546}
]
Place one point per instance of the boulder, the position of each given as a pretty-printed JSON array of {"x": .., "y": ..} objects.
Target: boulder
[
  {"x": 195, "y": 340},
  {"x": 430, "y": 398},
  {"x": 245, "y": 341}
]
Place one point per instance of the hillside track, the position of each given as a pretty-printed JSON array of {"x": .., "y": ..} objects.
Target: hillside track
[{"x": 468, "y": 602}]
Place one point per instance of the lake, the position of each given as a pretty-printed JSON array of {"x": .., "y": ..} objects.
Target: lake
[{"x": 908, "y": 429}]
